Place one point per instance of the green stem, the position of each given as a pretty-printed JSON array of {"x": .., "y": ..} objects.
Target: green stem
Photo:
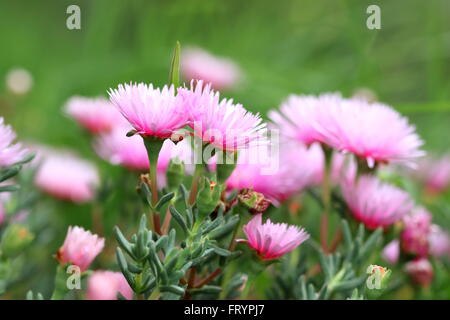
[
  {"x": 153, "y": 146},
  {"x": 326, "y": 198}
]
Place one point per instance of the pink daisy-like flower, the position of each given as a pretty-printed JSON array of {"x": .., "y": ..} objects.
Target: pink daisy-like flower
[
  {"x": 10, "y": 152},
  {"x": 80, "y": 248},
  {"x": 391, "y": 252},
  {"x": 439, "y": 242},
  {"x": 222, "y": 123},
  {"x": 350, "y": 125},
  {"x": 297, "y": 118},
  {"x": 67, "y": 177},
  {"x": 278, "y": 176},
  {"x": 417, "y": 227},
  {"x": 374, "y": 203},
  {"x": 198, "y": 64},
  {"x": 94, "y": 114},
  {"x": 421, "y": 271},
  {"x": 151, "y": 111},
  {"x": 434, "y": 173},
  {"x": 272, "y": 240},
  {"x": 371, "y": 131},
  {"x": 105, "y": 285}
]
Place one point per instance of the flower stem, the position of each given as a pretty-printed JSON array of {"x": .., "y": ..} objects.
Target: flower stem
[
  {"x": 326, "y": 199},
  {"x": 153, "y": 146}
]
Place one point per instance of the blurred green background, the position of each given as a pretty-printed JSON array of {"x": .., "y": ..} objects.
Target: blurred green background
[{"x": 285, "y": 46}]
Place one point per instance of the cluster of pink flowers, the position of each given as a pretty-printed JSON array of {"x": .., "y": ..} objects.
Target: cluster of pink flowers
[
  {"x": 161, "y": 113},
  {"x": 80, "y": 248}
]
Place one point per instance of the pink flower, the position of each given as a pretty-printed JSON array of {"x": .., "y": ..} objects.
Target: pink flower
[
  {"x": 361, "y": 128},
  {"x": 94, "y": 114},
  {"x": 67, "y": 177},
  {"x": 350, "y": 125},
  {"x": 80, "y": 248},
  {"x": 414, "y": 237},
  {"x": 10, "y": 152},
  {"x": 421, "y": 271},
  {"x": 105, "y": 285},
  {"x": 118, "y": 149},
  {"x": 374, "y": 203},
  {"x": 197, "y": 64},
  {"x": 221, "y": 122},
  {"x": 391, "y": 252},
  {"x": 278, "y": 176},
  {"x": 439, "y": 242},
  {"x": 298, "y": 119},
  {"x": 434, "y": 173},
  {"x": 272, "y": 240},
  {"x": 151, "y": 111}
]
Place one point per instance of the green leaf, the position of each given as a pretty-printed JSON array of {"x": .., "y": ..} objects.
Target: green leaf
[
  {"x": 174, "y": 74},
  {"x": 164, "y": 199},
  {"x": 179, "y": 219}
]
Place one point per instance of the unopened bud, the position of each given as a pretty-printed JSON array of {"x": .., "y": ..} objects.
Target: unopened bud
[{"x": 254, "y": 201}]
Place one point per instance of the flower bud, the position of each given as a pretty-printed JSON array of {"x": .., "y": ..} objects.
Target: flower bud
[
  {"x": 208, "y": 197},
  {"x": 15, "y": 239},
  {"x": 105, "y": 285},
  {"x": 254, "y": 201}
]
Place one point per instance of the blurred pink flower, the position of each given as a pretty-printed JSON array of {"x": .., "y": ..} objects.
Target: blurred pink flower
[
  {"x": 272, "y": 240},
  {"x": 350, "y": 125},
  {"x": 434, "y": 173},
  {"x": 118, "y": 149},
  {"x": 361, "y": 128},
  {"x": 105, "y": 285},
  {"x": 374, "y": 203},
  {"x": 421, "y": 271},
  {"x": 198, "y": 64},
  {"x": 298, "y": 119},
  {"x": 278, "y": 176},
  {"x": 439, "y": 242},
  {"x": 80, "y": 248},
  {"x": 391, "y": 252},
  {"x": 151, "y": 111},
  {"x": 94, "y": 114},
  {"x": 10, "y": 152},
  {"x": 414, "y": 237},
  {"x": 67, "y": 177},
  {"x": 221, "y": 122}
]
